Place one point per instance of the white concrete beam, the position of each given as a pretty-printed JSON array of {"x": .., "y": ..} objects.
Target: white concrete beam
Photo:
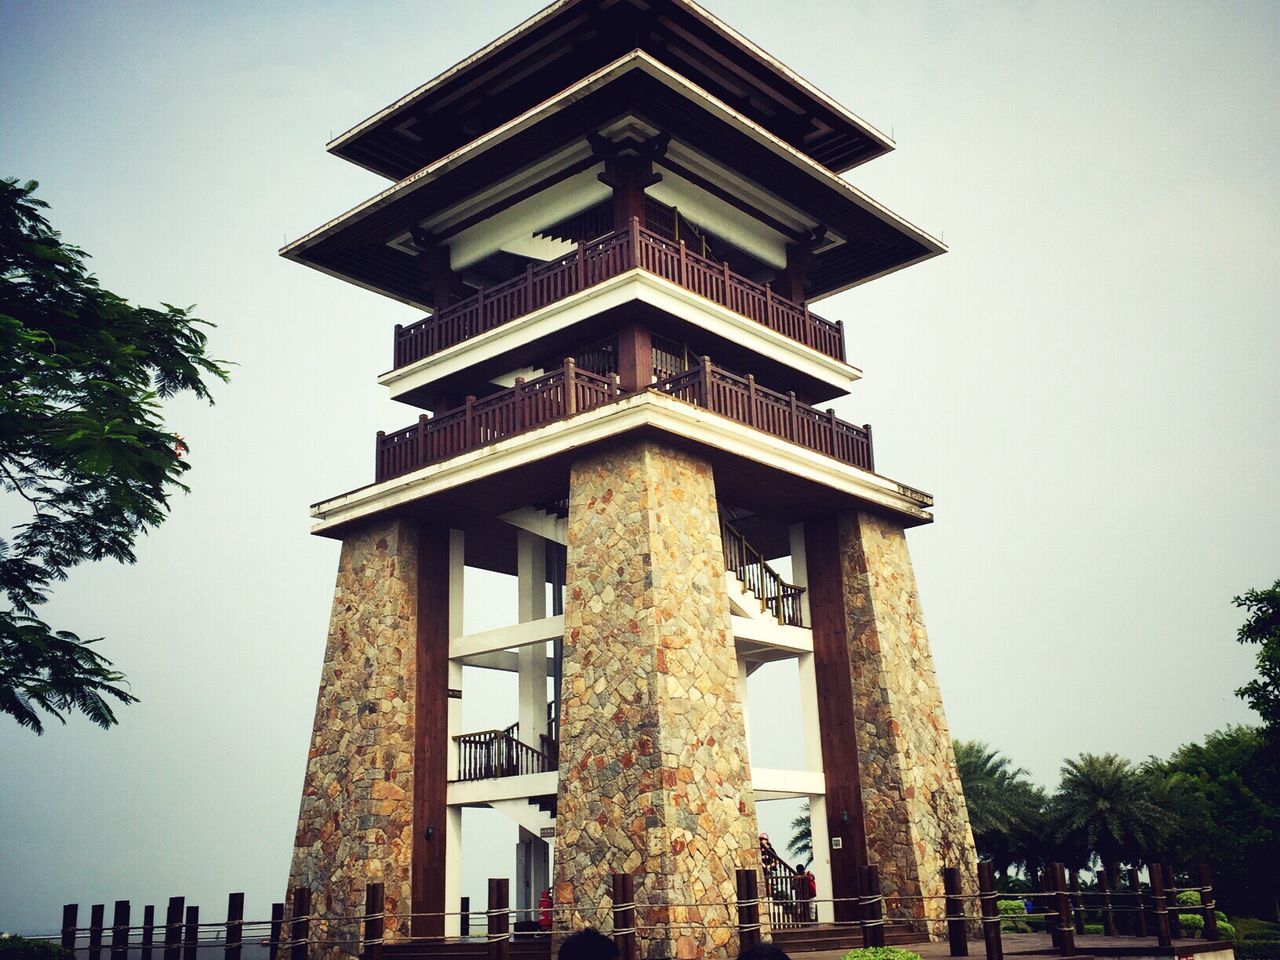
[
  {"x": 474, "y": 793},
  {"x": 770, "y": 784},
  {"x": 510, "y": 637}
]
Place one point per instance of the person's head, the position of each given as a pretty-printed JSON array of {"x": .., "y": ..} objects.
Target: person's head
[
  {"x": 763, "y": 951},
  {"x": 588, "y": 944}
]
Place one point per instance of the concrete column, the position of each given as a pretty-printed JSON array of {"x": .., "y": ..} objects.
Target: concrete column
[
  {"x": 453, "y": 816},
  {"x": 453, "y": 871},
  {"x": 531, "y": 574},
  {"x": 654, "y": 774},
  {"x": 532, "y": 872},
  {"x": 821, "y": 867},
  {"x": 800, "y": 569},
  {"x": 743, "y": 672}
]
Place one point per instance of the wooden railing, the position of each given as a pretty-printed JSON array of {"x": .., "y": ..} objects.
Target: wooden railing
[
  {"x": 597, "y": 261},
  {"x": 779, "y": 414},
  {"x": 478, "y": 423},
  {"x": 750, "y": 566},
  {"x": 496, "y": 753}
]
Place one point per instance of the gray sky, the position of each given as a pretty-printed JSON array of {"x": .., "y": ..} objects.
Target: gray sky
[{"x": 1086, "y": 383}]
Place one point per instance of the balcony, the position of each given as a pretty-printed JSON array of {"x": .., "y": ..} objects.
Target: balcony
[
  {"x": 571, "y": 390},
  {"x": 599, "y": 260}
]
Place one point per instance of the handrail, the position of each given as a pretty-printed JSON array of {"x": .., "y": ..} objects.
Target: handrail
[
  {"x": 490, "y": 754},
  {"x": 599, "y": 260},
  {"x": 749, "y": 565}
]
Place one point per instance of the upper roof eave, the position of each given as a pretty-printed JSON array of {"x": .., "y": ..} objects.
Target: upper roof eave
[{"x": 338, "y": 145}]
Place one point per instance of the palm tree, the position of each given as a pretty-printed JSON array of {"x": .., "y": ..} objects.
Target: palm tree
[
  {"x": 1102, "y": 809},
  {"x": 1005, "y": 808},
  {"x": 801, "y": 842}
]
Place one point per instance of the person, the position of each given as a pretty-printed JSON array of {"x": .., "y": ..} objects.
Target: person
[
  {"x": 588, "y": 944},
  {"x": 768, "y": 856},
  {"x": 763, "y": 951},
  {"x": 805, "y": 885},
  {"x": 544, "y": 910}
]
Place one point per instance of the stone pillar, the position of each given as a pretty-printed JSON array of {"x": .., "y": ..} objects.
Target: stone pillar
[
  {"x": 654, "y": 777},
  {"x": 373, "y": 782},
  {"x": 913, "y": 810}
]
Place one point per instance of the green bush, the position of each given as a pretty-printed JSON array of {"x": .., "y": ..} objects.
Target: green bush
[
  {"x": 1257, "y": 949},
  {"x": 1189, "y": 898},
  {"x": 881, "y": 953},
  {"x": 1011, "y": 910},
  {"x": 1095, "y": 928},
  {"x": 1192, "y": 924},
  {"x": 20, "y": 948},
  {"x": 1251, "y": 928}
]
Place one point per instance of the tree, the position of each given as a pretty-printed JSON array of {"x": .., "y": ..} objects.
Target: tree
[
  {"x": 1006, "y": 811},
  {"x": 1102, "y": 809},
  {"x": 1263, "y": 628},
  {"x": 82, "y": 447},
  {"x": 801, "y": 842}
]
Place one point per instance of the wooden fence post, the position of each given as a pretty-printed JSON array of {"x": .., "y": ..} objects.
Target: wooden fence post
[
  {"x": 748, "y": 908},
  {"x": 1207, "y": 905},
  {"x": 1077, "y": 903},
  {"x": 300, "y": 924},
  {"x": 1171, "y": 903},
  {"x": 957, "y": 939},
  {"x": 1156, "y": 872},
  {"x": 95, "y": 930},
  {"x": 69, "y": 935},
  {"x": 277, "y": 927},
  {"x": 235, "y": 926},
  {"x": 990, "y": 911},
  {"x": 148, "y": 931},
  {"x": 1108, "y": 917},
  {"x": 191, "y": 935},
  {"x": 464, "y": 926},
  {"x": 1138, "y": 915},
  {"x": 1066, "y": 929},
  {"x": 875, "y": 919},
  {"x": 375, "y": 915},
  {"x": 120, "y": 931},
  {"x": 624, "y": 907},
  {"x": 173, "y": 928},
  {"x": 499, "y": 945}
]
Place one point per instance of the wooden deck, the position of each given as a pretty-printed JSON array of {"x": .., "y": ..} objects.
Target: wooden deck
[{"x": 1036, "y": 945}]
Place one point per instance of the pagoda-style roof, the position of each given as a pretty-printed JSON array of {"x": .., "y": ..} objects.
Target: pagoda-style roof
[
  {"x": 713, "y": 149},
  {"x": 572, "y": 38}
]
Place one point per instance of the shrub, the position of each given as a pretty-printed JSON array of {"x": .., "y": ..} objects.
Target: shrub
[
  {"x": 21, "y": 948},
  {"x": 881, "y": 953},
  {"x": 1189, "y": 898},
  {"x": 1011, "y": 910},
  {"x": 1257, "y": 949},
  {"x": 1095, "y": 928},
  {"x": 1251, "y": 928},
  {"x": 1192, "y": 924}
]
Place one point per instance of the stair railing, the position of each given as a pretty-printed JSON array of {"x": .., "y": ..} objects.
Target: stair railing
[{"x": 749, "y": 565}]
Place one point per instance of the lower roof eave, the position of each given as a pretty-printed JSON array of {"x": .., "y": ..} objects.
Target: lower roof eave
[{"x": 647, "y": 412}]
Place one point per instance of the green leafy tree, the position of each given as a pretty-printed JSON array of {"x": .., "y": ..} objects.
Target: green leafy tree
[
  {"x": 801, "y": 842},
  {"x": 83, "y": 447},
  {"x": 1263, "y": 628},
  {"x": 1006, "y": 811},
  {"x": 1102, "y": 809}
]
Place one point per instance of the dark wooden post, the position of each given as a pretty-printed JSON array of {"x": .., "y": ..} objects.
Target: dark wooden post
[
  {"x": 1108, "y": 917},
  {"x": 499, "y": 920},
  {"x": 635, "y": 244},
  {"x": 464, "y": 927},
  {"x": 706, "y": 383},
  {"x": 148, "y": 931},
  {"x": 1171, "y": 903},
  {"x": 990, "y": 911},
  {"x": 300, "y": 924},
  {"x": 635, "y": 357},
  {"x": 1156, "y": 873},
  {"x": 875, "y": 905},
  {"x": 191, "y": 935},
  {"x": 120, "y": 931},
  {"x": 624, "y": 907},
  {"x": 1066, "y": 929},
  {"x": 956, "y": 937},
  {"x": 570, "y": 386},
  {"x": 423, "y": 421},
  {"x": 519, "y": 416},
  {"x": 1207, "y": 904},
  {"x": 69, "y": 913},
  {"x": 95, "y": 930},
  {"x": 235, "y": 926},
  {"x": 375, "y": 916},
  {"x": 468, "y": 423},
  {"x": 1138, "y": 915},
  {"x": 173, "y": 928},
  {"x": 748, "y": 908},
  {"x": 277, "y": 927},
  {"x": 1077, "y": 903},
  {"x": 378, "y": 470}
]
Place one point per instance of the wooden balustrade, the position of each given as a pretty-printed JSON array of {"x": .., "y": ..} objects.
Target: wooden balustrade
[
  {"x": 478, "y": 423},
  {"x": 495, "y": 753},
  {"x": 750, "y": 566},
  {"x": 779, "y": 414},
  {"x": 597, "y": 261}
]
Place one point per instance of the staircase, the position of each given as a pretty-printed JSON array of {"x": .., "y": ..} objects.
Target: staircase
[
  {"x": 757, "y": 578},
  {"x": 829, "y": 936}
]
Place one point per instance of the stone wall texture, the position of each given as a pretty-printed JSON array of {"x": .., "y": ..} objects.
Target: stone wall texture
[
  {"x": 356, "y": 820},
  {"x": 914, "y": 810},
  {"x": 654, "y": 775}
]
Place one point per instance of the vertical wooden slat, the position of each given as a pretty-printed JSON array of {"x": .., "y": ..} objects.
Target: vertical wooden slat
[
  {"x": 69, "y": 934},
  {"x": 1155, "y": 873},
  {"x": 120, "y": 931},
  {"x": 95, "y": 930},
  {"x": 375, "y": 912},
  {"x": 748, "y": 908},
  {"x": 464, "y": 927},
  {"x": 624, "y": 910},
  {"x": 191, "y": 935},
  {"x": 1066, "y": 929},
  {"x": 277, "y": 928},
  {"x": 300, "y": 924},
  {"x": 173, "y": 928},
  {"x": 499, "y": 941},
  {"x": 1108, "y": 916},
  {"x": 148, "y": 931},
  {"x": 990, "y": 912},
  {"x": 235, "y": 926},
  {"x": 957, "y": 940}
]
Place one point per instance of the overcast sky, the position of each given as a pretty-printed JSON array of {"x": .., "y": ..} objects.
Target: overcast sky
[{"x": 1087, "y": 383}]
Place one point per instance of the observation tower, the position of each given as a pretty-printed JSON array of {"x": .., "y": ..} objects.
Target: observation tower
[{"x": 617, "y": 217}]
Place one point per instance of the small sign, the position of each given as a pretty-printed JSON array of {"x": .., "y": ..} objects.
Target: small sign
[
  {"x": 454, "y": 694},
  {"x": 547, "y": 833},
  {"x": 837, "y": 843}
]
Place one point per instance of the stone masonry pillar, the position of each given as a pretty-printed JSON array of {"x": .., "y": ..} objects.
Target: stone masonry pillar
[
  {"x": 654, "y": 775},
  {"x": 912, "y": 805},
  {"x": 375, "y": 774}
]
